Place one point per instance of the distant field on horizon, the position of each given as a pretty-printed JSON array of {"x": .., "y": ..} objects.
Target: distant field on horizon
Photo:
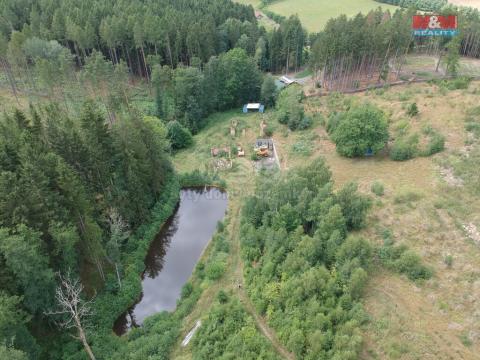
[
  {"x": 471, "y": 3},
  {"x": 314, "y": 14}
]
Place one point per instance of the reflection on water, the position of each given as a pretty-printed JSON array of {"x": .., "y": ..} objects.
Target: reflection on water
[{"x": 174, "y": 253}]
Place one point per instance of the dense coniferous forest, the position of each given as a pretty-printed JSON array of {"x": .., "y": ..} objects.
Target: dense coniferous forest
[
  {"x": 71, "y": 190},
  {"x": 143, "y": 33}
]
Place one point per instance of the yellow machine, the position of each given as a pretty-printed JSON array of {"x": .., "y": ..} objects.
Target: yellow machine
[{"x": 262, "y": 151}]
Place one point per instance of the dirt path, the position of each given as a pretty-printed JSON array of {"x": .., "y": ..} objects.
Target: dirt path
[{"x": 263, "y": 327}]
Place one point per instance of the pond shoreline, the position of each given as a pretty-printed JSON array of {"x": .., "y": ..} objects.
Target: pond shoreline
[{"x": 179, "y": 244}]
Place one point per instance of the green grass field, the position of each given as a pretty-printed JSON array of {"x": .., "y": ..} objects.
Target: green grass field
[{"x": 314, "y": 14}]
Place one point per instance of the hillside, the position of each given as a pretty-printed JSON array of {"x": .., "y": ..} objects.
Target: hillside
[
  {"x": 186, "y": 179},
  {"x": 423, "y": 207}
]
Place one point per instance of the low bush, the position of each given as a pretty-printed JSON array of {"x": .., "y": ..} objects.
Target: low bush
[
  {"x": 435, "y": 145},
  {"x": 458, "y": 83},
  {"x": 290, "y": 110},
  {"x": 222, "y": 297},
  {"x": 201, "y": 178},
  {"x": 221, "y": 244},
  {"x": 377, "y": 188},
  {"x": 411, "y": 265},
  {"x": 215, "y": 269},
  {"x": 404, "y": 148},
  {"x": 305, "y": 123},
  {"x": 268, "y": 131},
  {"x": 179, "y": 136},
  {"x": 407, "y": 196},
  {"x": 302, "y": 147},
  {"x": 473, "y": 127},
  {"x": 186, "y": 290},
  {"x": 333, "y": 121},
  {"x": 448, "y": 260},
  {"x": 412, "y": 110},
  {"x": 404, "y": 261}
]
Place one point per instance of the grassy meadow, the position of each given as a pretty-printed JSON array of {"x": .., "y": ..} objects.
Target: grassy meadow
[
  {"x": 314, "y": 14},
  {"x": 421, "y": 207}
]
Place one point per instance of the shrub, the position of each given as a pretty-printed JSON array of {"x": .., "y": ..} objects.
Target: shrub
[
  {"x": 282, "y": 117},
  {"x": 405, "y": 261},
  {"x": 201, "y": 178},
  {"x": 435, "y": 145},
  {"x": 377, "y": 188},
  {"x": 473, "y": 127},
  {"x": 448, "y": 260},
  {"x": 410, "y": 264},
  {"x": 268, "y": 91},
  {"x": 333, "y": 121},
  {"x": 404, "y": 148},
  {"x": 221, "y": 244},
  {"x": 215, "y": 269},
  {"x": 220, "y": 226},
  {"x": 412, "y": 110},
  {"x": 268, "y": 131},
  {"x": 179, "y": 136},
  {"x": 186, "y": 290},
  {"x": 456, "y": 84},
  {"x": 466, "y": 341},
  {"x": 303, "y": 148},
  {"x": 407, "y": 196},
  {"x": 222, "y": 297},
  {"x": 289, "y": 108},
  {"x": 363, "y": 129},
  {"x": 254, "y": 156},
  {"x": 305, "y": 123},
  {"x": 200, "y": 270}
]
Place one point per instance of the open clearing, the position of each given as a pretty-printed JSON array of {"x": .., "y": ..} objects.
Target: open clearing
[
  {"x": 438, "y": 319},
  {"x": 471, "y": 3},
  {"x": 314, "y": 14}
]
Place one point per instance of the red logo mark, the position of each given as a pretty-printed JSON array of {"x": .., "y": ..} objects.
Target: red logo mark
[{"x": 421, "y": 22}]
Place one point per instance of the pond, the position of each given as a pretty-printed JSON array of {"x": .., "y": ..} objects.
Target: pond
[{"x": 174, "y": 253}]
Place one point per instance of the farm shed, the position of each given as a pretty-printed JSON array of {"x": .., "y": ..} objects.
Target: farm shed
[
  {"x": 286, "y": 80},
  {"x": 253, "y": 107}
]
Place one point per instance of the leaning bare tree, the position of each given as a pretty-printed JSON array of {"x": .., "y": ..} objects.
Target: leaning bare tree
[{"x": 73, "y": 308}]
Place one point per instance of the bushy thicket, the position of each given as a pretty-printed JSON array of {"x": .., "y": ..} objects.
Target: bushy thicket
[
  {"x": 201, "y": 178},
  {"x": 179, "y": 136},
  {"x": 404, "y": 261},
  {"x": 302, "y": 270},
  {"x": 404, "y": 148},
  {"x": 290, "y": 109},
  {"x": 230, "y": 333}
]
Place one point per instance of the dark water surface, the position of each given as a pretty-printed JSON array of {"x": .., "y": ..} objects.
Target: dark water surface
[{"x": 174, "y": 253}]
